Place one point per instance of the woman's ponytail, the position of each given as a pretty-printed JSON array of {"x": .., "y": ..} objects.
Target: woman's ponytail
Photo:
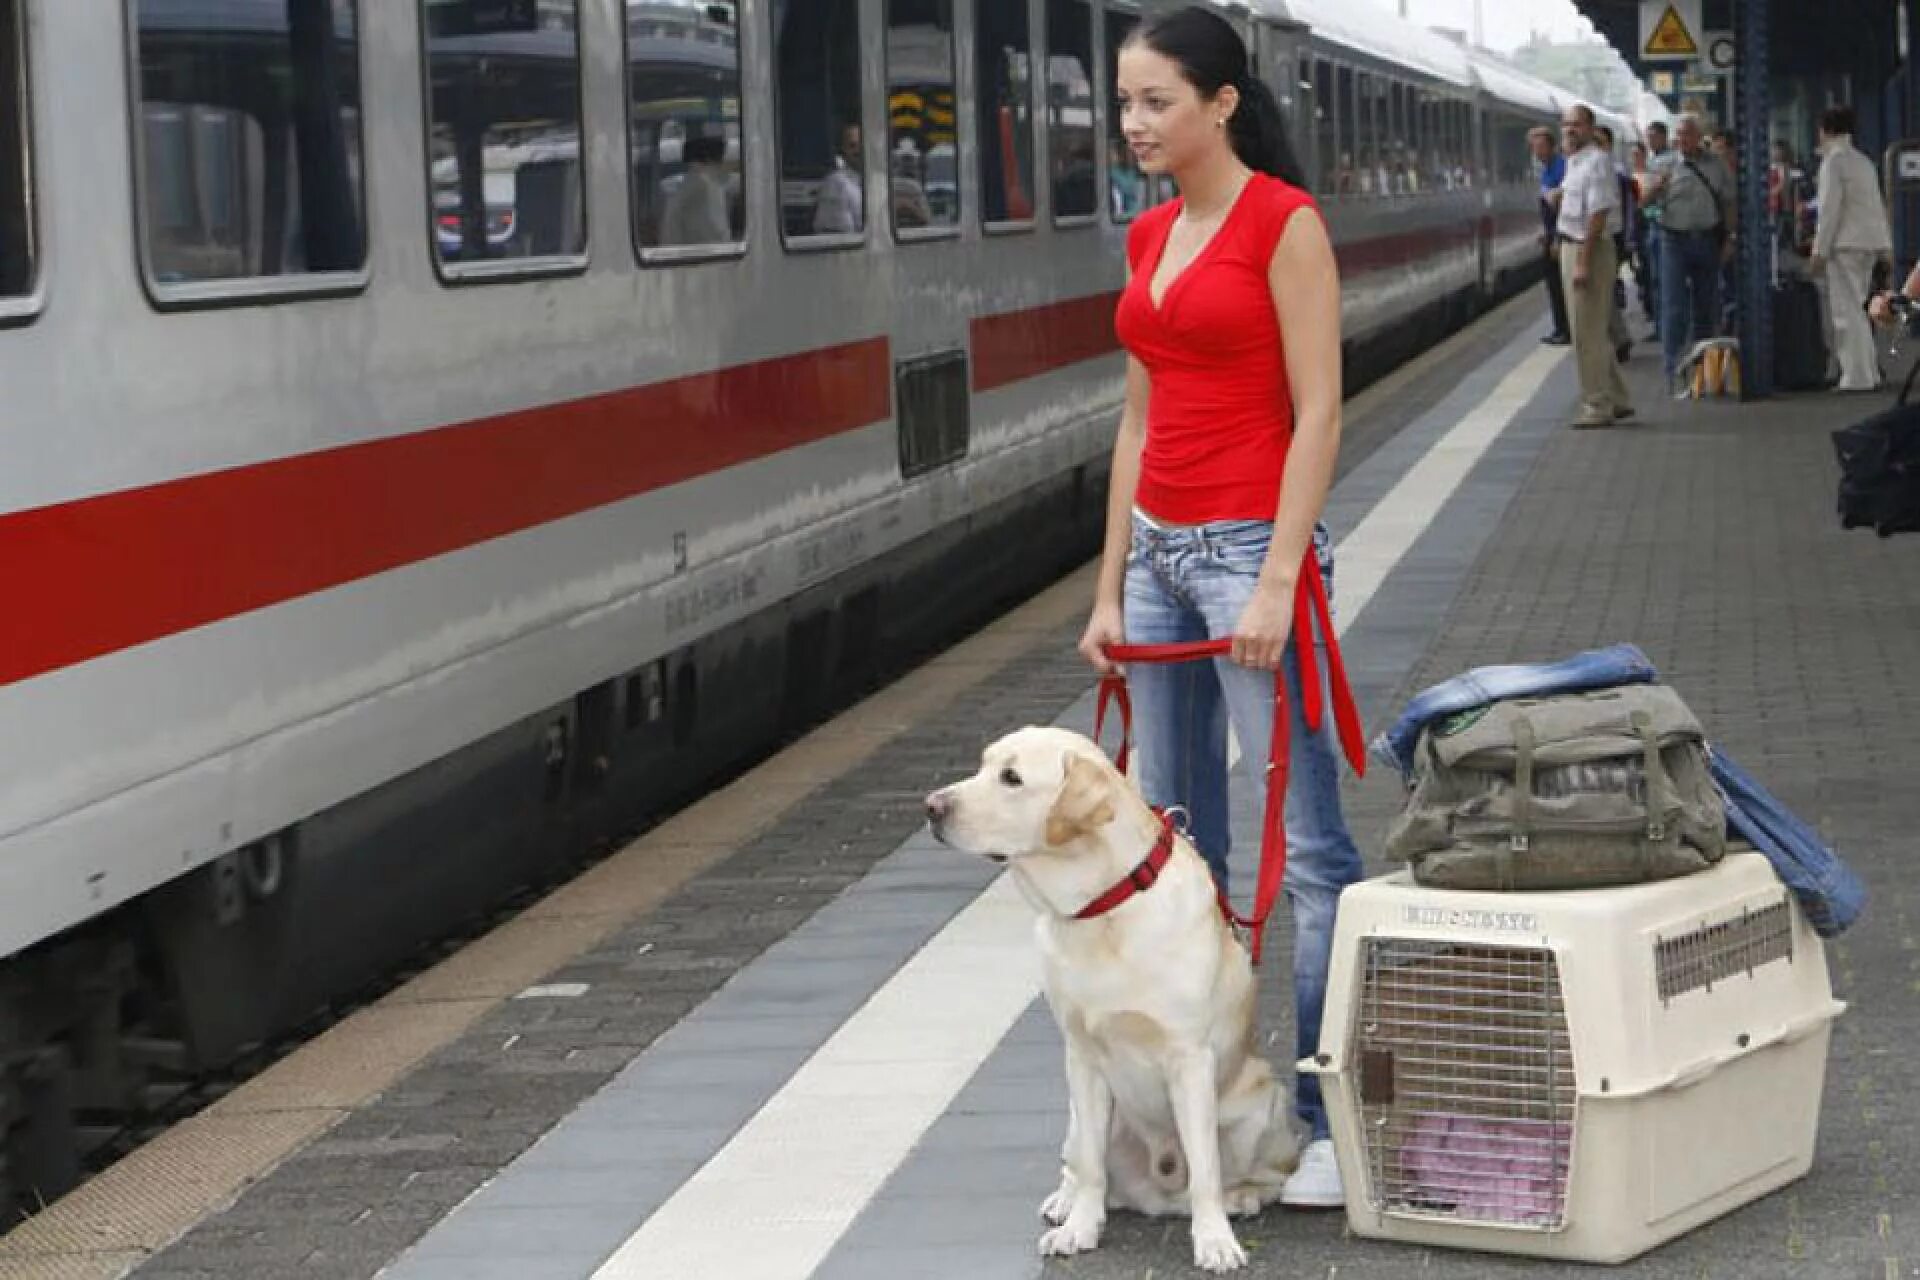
[
  {"x": 1259, "y": 133},
  {"x": 1211, "y": 56}
]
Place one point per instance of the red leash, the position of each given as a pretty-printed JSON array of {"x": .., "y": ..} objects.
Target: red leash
[{"x": 1310, "y": 614}]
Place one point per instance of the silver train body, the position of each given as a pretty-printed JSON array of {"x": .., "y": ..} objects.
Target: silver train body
[{"x": 347, "y": 602}]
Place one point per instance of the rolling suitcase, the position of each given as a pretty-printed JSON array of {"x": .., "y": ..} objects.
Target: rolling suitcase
[{"x": 1799, "y": 333}]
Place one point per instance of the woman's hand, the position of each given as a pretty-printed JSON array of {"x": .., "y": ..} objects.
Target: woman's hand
[
  {"x": 1260, "y": 637},
  {"x": 1105, "y": 627},
  {"x": 1881, "y": 309}
]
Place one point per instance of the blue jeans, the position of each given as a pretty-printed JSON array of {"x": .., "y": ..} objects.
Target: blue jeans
[
  {"x": 1689, "y": 293},
  {"x": 1191, "y": 583}
]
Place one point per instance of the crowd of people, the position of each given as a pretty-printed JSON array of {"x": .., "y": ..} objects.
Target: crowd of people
[{"x": 1669, "y": 214}]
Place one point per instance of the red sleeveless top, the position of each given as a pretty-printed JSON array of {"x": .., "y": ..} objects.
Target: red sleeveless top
[{"x": 1220, "y": 416}]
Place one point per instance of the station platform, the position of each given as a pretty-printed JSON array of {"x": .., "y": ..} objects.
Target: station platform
[{"x": 786, "y": 1035}]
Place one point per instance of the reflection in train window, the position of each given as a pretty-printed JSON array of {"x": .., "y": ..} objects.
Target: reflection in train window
[
  {"x": 1004, "y": 49},
  {"x": 1127, "y": 185},
  {"x": 822, "y": 169},
  {"x": 1325, "y": 128},
  {"x": 16, "y": 185},
  {"x": 683, "y": 84},
  {"x": 922, "y": 164},
  {"x": 504, "y": 144},
  {"x": 250, "y": 138},
  {"x": 1070, "y": 137}
]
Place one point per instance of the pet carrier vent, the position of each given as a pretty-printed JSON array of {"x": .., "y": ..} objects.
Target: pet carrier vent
[
  {"x": 1466, "y": 1082},
  {"x": 1715, "y": 952}
]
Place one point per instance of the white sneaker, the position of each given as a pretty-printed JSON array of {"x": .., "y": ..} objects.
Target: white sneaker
[{"x": 1316, "y": 1183}]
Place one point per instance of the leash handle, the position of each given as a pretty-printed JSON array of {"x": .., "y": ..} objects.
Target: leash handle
[{"x": 1313, "y": 622}]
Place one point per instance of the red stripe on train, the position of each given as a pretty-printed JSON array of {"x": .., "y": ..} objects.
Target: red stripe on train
[
  {"x": 1015, "y": 345},
  {"x": 97, "y": 575},
  {"x": 93, "y": 576}
]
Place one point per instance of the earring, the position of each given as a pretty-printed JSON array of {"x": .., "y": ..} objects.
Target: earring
[{"x": 1220, "y": 123}]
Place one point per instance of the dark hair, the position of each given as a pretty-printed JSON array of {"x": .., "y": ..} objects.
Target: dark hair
[
  {"x": 1211, "y": 56},
  {"x": 1838, "y": 119},
  {"x": 1661, "y": 125},
  {"x": 705, "y": 149}
]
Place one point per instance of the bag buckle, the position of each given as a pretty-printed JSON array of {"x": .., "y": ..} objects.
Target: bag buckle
[{"x": 1517, "y": 842}]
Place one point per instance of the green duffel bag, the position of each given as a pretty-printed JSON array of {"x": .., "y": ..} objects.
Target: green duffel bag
[{"x": 1574, "y": 791}]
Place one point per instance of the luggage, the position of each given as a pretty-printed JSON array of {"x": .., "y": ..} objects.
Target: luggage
[
  {"x": 1603, "y": 787},
  {"x": 1799, "y": 337},
  {"x": 1880, "y": 468}
]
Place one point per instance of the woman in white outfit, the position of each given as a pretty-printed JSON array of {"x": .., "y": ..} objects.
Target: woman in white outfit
[{"x": 1851, "y": 237}]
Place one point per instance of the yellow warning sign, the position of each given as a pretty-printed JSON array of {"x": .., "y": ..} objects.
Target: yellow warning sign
[{"x": 1671, "y": 38}]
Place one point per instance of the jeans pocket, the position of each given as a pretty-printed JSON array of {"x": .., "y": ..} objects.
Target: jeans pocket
[{"x": 1240, "y": 545}]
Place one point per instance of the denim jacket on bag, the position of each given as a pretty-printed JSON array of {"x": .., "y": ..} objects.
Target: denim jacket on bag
[
  {"x": 1594, "y": 669},
  {"x": 1828, "y": 891}
]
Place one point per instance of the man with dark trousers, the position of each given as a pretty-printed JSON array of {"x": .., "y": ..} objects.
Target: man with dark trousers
[{"x": 1552, "y": 168}]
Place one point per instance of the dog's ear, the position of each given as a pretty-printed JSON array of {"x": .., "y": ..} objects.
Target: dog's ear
[{"x": 1085, "y": 803}]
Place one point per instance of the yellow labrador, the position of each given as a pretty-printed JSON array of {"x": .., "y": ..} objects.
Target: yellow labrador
[{"x": 1172, "y": 1110}]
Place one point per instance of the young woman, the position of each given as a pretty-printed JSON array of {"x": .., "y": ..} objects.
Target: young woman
[{"x": 1231, "y": 318}]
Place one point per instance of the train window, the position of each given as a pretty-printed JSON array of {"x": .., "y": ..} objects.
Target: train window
[
  {"x": 1393, "y": 146},
  {"x": 683, "y": 110},
  {"x": 1348, "y": 180},
  {"x": 823, "y": 194},
  {"x": 1433, "y": 136},
  {"x": 1070, "y": 136},
  {"x": 248, "y": 146},
  {"x": 1126, "y": 184},
  {"x": 922, "y": 161},
  {"x": 1326, "y": 130},
  {"x": 504, "y": 158},
  {"x": 1004, "y": 50},
  {"x": 18, "y": 272},
  {"x": 1373, "y": 123}
]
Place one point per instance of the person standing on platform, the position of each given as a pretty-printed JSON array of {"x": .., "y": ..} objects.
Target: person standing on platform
[
  {"x": 1225, "y": 453},
  {"x": 1657, "y": 146},
  {"x": 1851, "y": 236},
  {"x": 1693, "y": 192},
  {"x": 1551, "y": 167},
  {"x": 1589, "y": 266},
  {"x": 1617, "y": 330}
]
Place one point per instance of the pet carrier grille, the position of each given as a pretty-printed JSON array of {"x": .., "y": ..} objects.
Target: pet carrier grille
[
  {"x": 1715, "y": 952},
  {"x": 1466, "y": 1082}
]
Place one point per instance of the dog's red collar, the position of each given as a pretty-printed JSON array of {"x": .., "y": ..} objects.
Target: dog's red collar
[{"x": 1138, "y": 880}]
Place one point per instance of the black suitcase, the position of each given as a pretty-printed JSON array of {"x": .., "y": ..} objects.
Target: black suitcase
[
  {"x": 1799, "y": 337},
  {"x": 1880, "y": 468}
]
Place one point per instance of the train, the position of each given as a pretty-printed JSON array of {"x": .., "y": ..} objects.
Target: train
[{"x": 439, "y": 437}]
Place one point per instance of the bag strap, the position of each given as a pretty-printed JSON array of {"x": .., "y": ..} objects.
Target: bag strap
[
  {"x": 1713, "y": 193},
  {"x": 1661, "y": 792},
  {"x": 1906, "y": 388},
  {"x": 1524, "y": 743}
]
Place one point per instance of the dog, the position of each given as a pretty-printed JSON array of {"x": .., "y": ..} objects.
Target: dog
[{"x": 1172, "y": 1110}]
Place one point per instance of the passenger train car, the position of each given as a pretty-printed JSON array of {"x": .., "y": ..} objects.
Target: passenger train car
[{"x": 438, "y": 435}]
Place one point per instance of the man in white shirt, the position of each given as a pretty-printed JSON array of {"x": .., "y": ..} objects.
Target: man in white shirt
[
  {"x": 841, "y": 208},
  {"x": 1588, "y": 220},
  {"x": 1852, "y": 235}
]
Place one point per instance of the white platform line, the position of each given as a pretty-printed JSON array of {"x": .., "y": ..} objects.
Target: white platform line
[{"x": 772, "y": 1203}]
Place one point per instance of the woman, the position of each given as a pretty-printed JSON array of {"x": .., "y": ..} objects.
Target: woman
[
  {"x": 1851, "y": 237},
  {"x": 1231, "y": 318}
]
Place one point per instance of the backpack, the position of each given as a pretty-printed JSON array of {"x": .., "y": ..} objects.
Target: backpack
[{"x": 1581, "y": 790}]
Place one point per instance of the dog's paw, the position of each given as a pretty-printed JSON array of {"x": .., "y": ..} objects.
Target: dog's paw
[
  {"x": 1216, "y": 1249},
  {"x": 1079, "y": 1233},
  {"x": 1243, "y": 1201},
  {"x": 1056, "y": 1206}
]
